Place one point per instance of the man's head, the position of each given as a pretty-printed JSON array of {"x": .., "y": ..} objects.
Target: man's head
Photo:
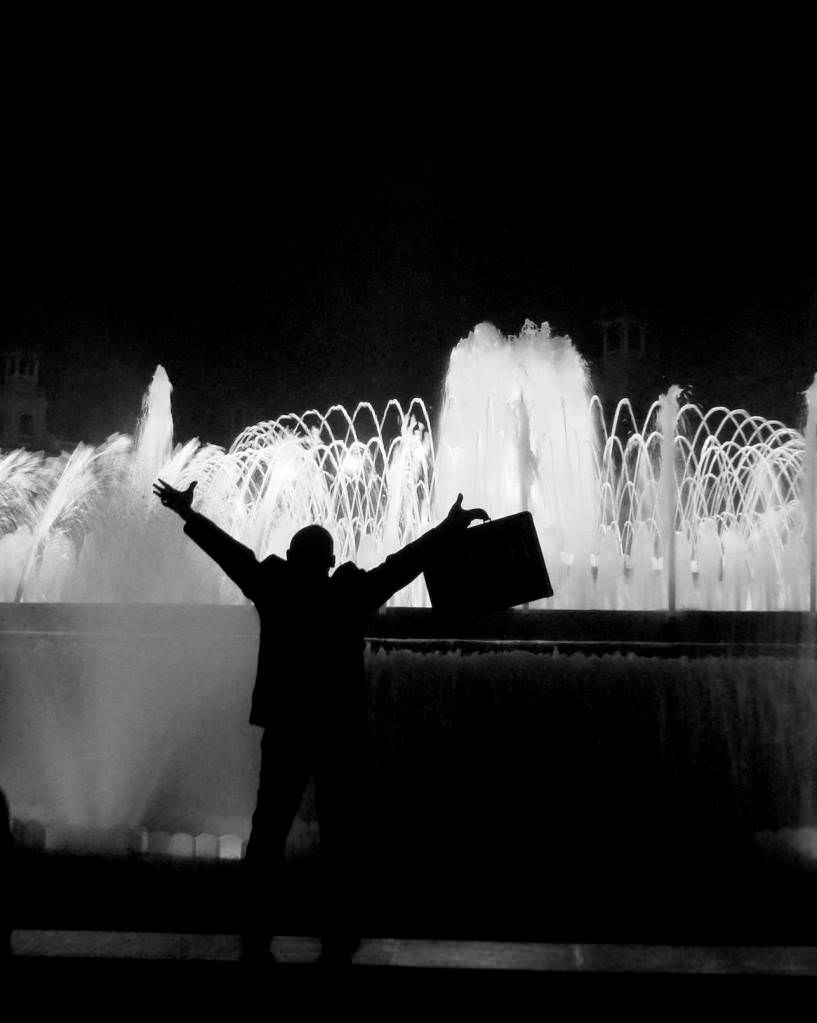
[{"x": 310, "y": 551}]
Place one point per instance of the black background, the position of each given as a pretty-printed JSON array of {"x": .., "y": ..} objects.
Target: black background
[{"x": 322, "y": 237}]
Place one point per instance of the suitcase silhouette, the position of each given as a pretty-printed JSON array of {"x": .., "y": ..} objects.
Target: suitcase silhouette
[{"x": 489, "y": 567}]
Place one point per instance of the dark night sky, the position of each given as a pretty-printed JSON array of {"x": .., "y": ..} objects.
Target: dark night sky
[{"x": 310, "y": 261}]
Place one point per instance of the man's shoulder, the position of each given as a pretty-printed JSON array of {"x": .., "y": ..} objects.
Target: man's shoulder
[
  {"x": 274, "y": 568},
  {"x": 347, "y": 574},
  {"x": 273, "y": 580}
]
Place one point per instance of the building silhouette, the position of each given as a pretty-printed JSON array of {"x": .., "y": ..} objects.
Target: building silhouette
[
  {"x": 23, "y": 404},
  {"x": 626, "y": 366}
]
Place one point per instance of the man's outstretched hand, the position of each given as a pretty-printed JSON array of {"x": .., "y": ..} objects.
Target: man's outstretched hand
[
  {"x": 460, "y": 518},
  {"x": 179, "y": 501}
]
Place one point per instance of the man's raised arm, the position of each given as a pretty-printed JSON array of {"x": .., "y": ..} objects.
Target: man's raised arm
[
  {"x": 401, "y": 568},
  {"x": 238, "y": 561}
]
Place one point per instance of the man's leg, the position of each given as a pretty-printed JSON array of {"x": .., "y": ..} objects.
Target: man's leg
[
  {"x": 338, "y": 791},
  {"x": 282, "y": 779}
]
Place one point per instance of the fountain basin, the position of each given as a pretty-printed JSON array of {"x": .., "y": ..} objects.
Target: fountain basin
[{"x": 556, "y": 733}]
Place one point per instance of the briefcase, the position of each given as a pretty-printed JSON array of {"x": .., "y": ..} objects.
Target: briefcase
[{"x": 489, "y": 567}]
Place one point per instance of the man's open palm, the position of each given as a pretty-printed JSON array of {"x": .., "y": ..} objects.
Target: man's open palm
[{"x": 179, "y": 501}]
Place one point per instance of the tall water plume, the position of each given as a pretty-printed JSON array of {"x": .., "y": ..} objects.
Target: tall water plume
[{"x": 517, "y": 433}]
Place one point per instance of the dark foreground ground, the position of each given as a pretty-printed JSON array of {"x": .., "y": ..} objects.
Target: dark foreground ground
[
  {"x": 644, "y": 937},
  {"x": 731, "y": 899}
]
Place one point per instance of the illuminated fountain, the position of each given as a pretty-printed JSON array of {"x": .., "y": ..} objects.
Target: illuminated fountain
[
  {"x": 687, "y": 510},
  {"x": 721, "y": 490}
]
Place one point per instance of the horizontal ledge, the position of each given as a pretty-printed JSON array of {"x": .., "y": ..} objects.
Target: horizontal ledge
[{"x": 776, "y": 630}]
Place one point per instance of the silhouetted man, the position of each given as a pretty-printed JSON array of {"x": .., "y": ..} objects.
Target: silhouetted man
[{"x": 310, "y": 699}]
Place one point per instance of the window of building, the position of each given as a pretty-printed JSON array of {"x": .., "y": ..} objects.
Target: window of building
[
  {"x": 612, "y": 338},
  {"x": 25, "y": 427}
]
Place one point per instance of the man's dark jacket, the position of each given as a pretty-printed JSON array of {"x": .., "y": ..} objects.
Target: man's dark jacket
[{"x": 310, "y": 655}]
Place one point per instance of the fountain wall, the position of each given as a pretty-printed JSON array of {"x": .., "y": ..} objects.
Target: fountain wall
[{"x": 647, "y": 727}]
